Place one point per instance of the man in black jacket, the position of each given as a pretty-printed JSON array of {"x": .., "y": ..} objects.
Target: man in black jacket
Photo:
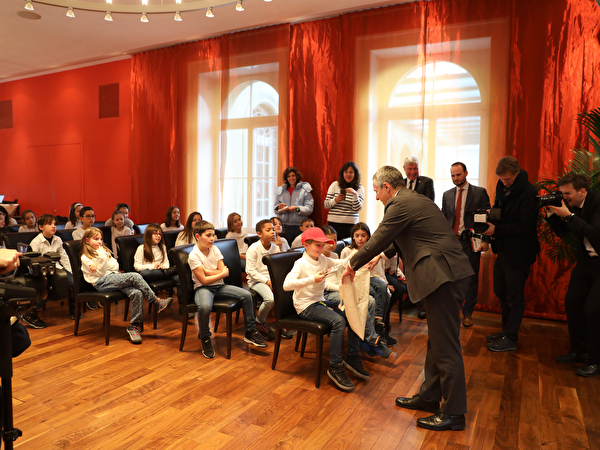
[
  {"x": 516, "y": 244},
  {"x": 580, "y": 213},
  {"x": 415, "y": 182}
]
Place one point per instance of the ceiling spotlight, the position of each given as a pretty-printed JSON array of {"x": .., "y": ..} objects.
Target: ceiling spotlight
[
  {"x": 268, "y": 0},
  {"x": 29, "y": 5},
  {"x": 144, "y": 18},
  {"x": 177, "y": 17},
  {"x": 70, "y": 12},
  {"x": 144, "y": 2},
  {"x": 239, "y": 6},
  {"x": 177, "y": 1},
  {"x": 108, "y": 17},
  {"x": 109, "y": 2},
  {"x": 209, "y": 12}
]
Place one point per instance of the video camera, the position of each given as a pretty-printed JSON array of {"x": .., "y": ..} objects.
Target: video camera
[
  {"x": 553, "y": 199},
  {"x": 30, "y": 283}
]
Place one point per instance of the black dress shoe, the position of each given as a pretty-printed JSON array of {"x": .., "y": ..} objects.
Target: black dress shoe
[
  {"x": 417, "y": 402},
  {"x": 573, "y": 357},
  {"x": 422, "y": 314},
  {"x": 591, "y": 370},
  {"x": 441, "y": 421}
]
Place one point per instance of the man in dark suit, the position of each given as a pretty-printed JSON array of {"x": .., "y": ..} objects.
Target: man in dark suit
[
  {"x": 461, "y": 219},
  {"x": 415, "y": 182},
  {"x": 437, "y": 271},
  {"x": 516, "y": 244},
  {"x": 580, "y": 213}
]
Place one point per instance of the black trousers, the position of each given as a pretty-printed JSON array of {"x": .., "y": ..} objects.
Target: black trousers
[
  {"x": 582, "y": 305},
  {"x": 474, "y": 259},
  {"x": 510, "y": 276},
  {"x": 444, "y": 366}
]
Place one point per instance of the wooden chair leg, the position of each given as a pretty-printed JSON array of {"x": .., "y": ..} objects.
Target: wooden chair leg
[
  {"x": 217, "y": 317},
  {"x": 77, "y": 314},
  {"x": 154, "y": 315},
  {"x": 319, "y": 359},
  {"x": 107, "y": 320},
  {"x": 237, "y": 316},
  {"x": 229, "y": 330},
  {"x": 304, "y": 337},
  {"x": 276, "y": 349},
  {"x": 184, "y": 324},
  {"x": 298, "y": 337},
  {"x": 126, "y": 310}
]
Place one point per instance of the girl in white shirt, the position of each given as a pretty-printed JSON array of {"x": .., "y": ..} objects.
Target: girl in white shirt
[
  {"x": 101, "y": 270},
  {"x": 187, "y": 235},
  {"x": 74, "y": 219},
  {"x": 118, "y": 229},
  {"x": 172, "y": 222},
  {"x": 234, "y": 231},
  {"x": 29, "y": 222},
  {"x": 151, "y": 259}
]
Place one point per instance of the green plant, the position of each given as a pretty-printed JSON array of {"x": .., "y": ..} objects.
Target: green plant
[{"x": 584, "y": 162}]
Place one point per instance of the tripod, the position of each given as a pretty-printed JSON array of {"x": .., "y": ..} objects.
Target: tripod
[{"x": 10, "y": 434}]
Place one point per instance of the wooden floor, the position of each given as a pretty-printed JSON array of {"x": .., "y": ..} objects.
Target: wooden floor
[{"x": 76, "y": 393}]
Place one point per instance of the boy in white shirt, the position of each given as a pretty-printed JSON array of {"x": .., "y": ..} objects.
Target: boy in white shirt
[
  {"x": 87, "y": 219},
  {"x": 43, "y": 243},
  {"x": 306, "y": 223},
  {"x": 307, "y": 280},
  {"x": 208, "y": 272},
  {"x": 258, "y": 277}
]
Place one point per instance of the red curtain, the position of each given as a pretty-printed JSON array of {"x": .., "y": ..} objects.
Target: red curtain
[{"x": 548, "y": 72}]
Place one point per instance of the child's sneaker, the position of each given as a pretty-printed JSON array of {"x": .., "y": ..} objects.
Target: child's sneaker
[
  {"x": 265, "y": 332},
  {"x": 339, "y": 377},
  {"x": 354, "y": 364},
  {"x": 255, "y": 339},
  {"x": 382, "y": 350},
  {"x": 162, "y": 303},
  {"x": 285, "y": 334},
  {"x": 207, "y": 349},
  {"x": 91, "y": 306},
  {"x": 31, "y": 318},
  {"x": 134, "y": 333}
]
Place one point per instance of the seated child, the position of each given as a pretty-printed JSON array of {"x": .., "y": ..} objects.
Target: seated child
[
  {"x": 101, "y": 270},
  {"x": 29, "y": 222},
  {"x": 187, "y": 235},
  {"x": 172, "y": 222},
  {"x": 208, "y": 272},
  {"x": 43, "y": 243},
  {"x": 307, "y": 280},
  {"x": 279, "y": 238},
  {"x": 151, "y": 259},
  {"x": 258, "y": 277},
  {"x": 234, "y": 231},
  {"x": 74, "y": 218},
  {"x": 125, "y": 209},
  {"x": 88, "y": 217},
  {"x": 118, "y": 229},
  {"x": 306, "y": 223}
]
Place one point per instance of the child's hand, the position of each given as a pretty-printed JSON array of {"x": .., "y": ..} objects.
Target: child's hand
[
  {"x": 269, "y": 284},
  {"x": 225, "y": 272},
  {"x": 157, "y": 265},
  {"x": 391, "y": 288},
  {"x": 320, "y": 277},
  {"x": 93, "y": 267}
]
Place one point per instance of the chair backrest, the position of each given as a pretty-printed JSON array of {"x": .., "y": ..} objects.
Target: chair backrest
[
  {"x": 231, "y": 258},
  {"x": 79, "y": 284},
  {"x": 65, "y": 235},
  {"x": 339, "y": 247},
  {"x": 106, "y": 234},
  {"x": 127, "y": 246},
  {"x": 221, "y": 233},
  {"x": 348, "y": 241},
  {"x": 99, "y": 223},
  {"x": 170, "y": 238},
  {"x": 279, "y": 265},
  {"x": 179, "y": 255},
  {"x": 251, "y": 239},
  {"x": 140, "y": 228},
  {"x": 12, "y": 239},
  {"x": 60, "y": 226}
]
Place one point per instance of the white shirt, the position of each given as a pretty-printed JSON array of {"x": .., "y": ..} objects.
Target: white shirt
[
  {"x": 78, "y": 234},
  {"x": 116, "y": 233},
  {"x": 105, "y": 264},
  {"x": 140, "y": 263},
  {"x": 41, "y": 245},
  {"x": 465, "y": 190},
  {"x": 302, "y": 281},
  {"x": 24, "y": 229},
  {"x": 297, "y": 242},
  {"x": 181, "y": 240},
  {"x": 239, "y": 238},
  {"x": 70, "y": 226},
  {"x": 211, "y": 262},
  {"x": 256, "y": 271},
  {"x": 166, "y": 228}
]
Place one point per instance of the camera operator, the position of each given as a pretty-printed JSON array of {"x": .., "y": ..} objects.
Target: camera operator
[
  {"x": 9, "y": 260},
  {"x": 580, "y": 213},
  {"x": 516, "y": 244}
]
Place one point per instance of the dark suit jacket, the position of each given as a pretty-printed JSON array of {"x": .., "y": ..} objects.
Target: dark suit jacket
[
  {"x": 477, "y": 198},
  {"x": 424, "y": 186},
  {"x": 415, "y": 226},
  {"x": 584, "y": 225}
]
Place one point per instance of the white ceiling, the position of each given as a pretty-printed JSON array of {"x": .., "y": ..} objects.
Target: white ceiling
[{"x": 55, "y": 42}]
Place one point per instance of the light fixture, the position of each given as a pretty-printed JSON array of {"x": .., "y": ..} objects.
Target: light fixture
[
  {"x": 108, "y": 17},
  {"x": 144, "y": 18},
  {"x": 29, "y": 5},
  {"x": 177, "y": 1},
  {"x": 177, "y": 17},
  {"x": 268, "y": 0},
  {"x": 144, "y": 2},
  {"x": 70, "y": 12},
  {"x": 209, "y": 12},
  {"x": 239, "y": 6},
  {"x": 109, "y": 2}
]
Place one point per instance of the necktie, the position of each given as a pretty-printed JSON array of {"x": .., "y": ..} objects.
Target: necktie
[
  {"x": 457, "y": 212},
  {"x": 411, "y": 184}
]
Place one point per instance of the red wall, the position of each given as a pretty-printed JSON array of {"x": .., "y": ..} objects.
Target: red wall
[{"x": 57, "y": 135}]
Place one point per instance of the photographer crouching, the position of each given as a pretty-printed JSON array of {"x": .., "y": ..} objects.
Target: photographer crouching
[
  {"x": 516, "y": 244},
  {"x": 580, "y": 213}
]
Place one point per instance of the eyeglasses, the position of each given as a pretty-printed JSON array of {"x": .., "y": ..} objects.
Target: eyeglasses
[
  {"x": 157, "y": 233},
  {"x": 88, "y": 216}
]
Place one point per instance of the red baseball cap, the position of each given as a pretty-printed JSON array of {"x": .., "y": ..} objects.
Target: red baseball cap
[{"x": 316, "y": 234}]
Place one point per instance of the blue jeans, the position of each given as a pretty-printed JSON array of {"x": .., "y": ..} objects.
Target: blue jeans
[
  {"x": 205, "y": 295},
  {"x": 336, "y": 320},
  {"x": 332, "y": 299},
  {"x": 268, "y": 300},
  {"x": 378, "y": 289},
  {"x": 133, "y": 286}
]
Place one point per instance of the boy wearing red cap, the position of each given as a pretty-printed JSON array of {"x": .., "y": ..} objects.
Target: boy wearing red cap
[{"x": 307, "y": 280}]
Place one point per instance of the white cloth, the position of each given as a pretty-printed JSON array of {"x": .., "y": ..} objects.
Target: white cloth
[
  {"x": 256, "y": 270},
  {"x": 105, "y": 264},
  {"x": 239, "y": 238},
  {"x": 160, "y": 256},
  {"x": 211, "y": 262},
  {"x": 354, "y": 297},
  {"x": 41, "y": 245}
]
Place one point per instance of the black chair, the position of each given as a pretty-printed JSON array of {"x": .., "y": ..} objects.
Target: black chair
[
  {"x": 170, "y": 238},
  {"x": 221, "y": 233},
  {"x": 127, "y": 246},
  {"x": 348, "y": 241},
  {"x": 279, "y": 265},
  {"x": 106, "y": 234},
  {"x": 185, "y": 294},
  {"x": 249, "y": 240},
  {"x": 85, "y": 292},
  {"x": 60, "y": 226},
  {"x": 341, "y": 245},
  {"x": 140, "y": 228},
  {"x": 65, "y": 235},
  {"x": 12, "y": 239}
]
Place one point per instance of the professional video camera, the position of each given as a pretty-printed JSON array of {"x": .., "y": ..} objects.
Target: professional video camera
[
  {"x": 481, "y": 217},
  {"x": 553, "y": 199}
]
